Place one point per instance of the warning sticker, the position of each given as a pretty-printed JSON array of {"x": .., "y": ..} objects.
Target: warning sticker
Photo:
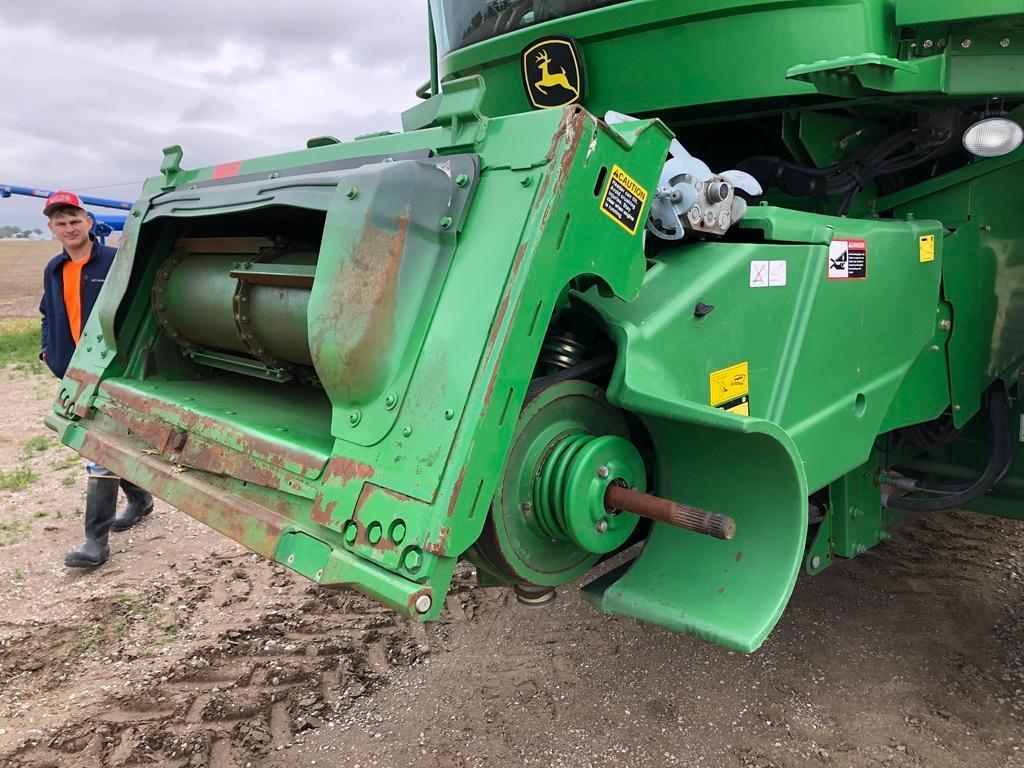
[
  {"x": 730, "y": 389},
  {"x": 767, "y": 274},
  {"x": 623, "y": 200},
  {"x": 927, "y": 248},
  {"x": 848, "y": 260}
]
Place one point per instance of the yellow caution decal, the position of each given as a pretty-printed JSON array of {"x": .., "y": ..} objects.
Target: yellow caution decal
[
  {"x": 623, "y": 200},
  {"x": 927, "y": 248},
  {"x": 730, "y": 389}
]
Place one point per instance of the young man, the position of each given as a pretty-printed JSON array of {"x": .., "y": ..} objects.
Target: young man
[{"x": 71, "y": 285}]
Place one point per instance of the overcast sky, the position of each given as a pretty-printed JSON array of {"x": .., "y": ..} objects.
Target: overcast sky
[{"x": 91, "y": 92}]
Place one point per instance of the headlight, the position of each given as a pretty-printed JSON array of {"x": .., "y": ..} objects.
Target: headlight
[{"x": 993, "y": 137}]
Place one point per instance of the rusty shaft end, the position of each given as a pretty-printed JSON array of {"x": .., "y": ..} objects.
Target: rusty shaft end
[{"x": 665, "y": 511}]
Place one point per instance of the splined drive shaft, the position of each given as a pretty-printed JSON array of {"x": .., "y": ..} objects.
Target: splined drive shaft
[{"x": 665, "y": 511}]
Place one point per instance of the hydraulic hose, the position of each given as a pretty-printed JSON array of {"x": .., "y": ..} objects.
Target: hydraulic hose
[{"x": 998, "y": 465}]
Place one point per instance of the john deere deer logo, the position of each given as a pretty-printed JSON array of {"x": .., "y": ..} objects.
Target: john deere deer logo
[
  {"x": 553, "y": 72},
  {"x": 547, "y": 79}
]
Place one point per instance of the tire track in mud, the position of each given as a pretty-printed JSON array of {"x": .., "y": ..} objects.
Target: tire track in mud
[{"x": 267, "y": 675}]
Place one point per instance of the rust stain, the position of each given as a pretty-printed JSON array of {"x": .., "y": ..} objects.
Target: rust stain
[
  {"x": 187, "y": 446},
  {"x": 440, "y": 547},
  {"x": 368, "y": 492},
  {"x": 365, "y": 305},
  {"x": 410, "y": 604},
  {"x": 322, "y": 514},
  {"x": 148, "y": 413},
  {"x": 85, "y": 380},
  {"x": 456, "y": 489},
  {"x": 347, "y": 470},
  {"x": 247, "y": 522}
]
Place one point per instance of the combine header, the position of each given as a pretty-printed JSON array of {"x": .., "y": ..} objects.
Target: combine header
[{"x": 740, "y": 283}]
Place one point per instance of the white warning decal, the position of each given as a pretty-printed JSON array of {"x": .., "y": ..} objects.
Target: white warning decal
[
  {"x": 767, "y": 274},
  {"x": 848, "y": 260}
]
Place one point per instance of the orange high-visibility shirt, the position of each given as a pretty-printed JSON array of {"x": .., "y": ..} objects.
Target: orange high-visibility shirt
[{"x": 72, "y": 274}]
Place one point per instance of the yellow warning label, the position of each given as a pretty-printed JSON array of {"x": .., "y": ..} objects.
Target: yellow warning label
[
  {"x": 731, "y": 384},
  {"x": 927, "y": 248},
  {"x": 623, "y": 200}
]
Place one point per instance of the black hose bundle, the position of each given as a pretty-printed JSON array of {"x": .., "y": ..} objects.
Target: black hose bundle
[
  {"x": 899, "y": 152},
  {"x": 955, "y": 495}
]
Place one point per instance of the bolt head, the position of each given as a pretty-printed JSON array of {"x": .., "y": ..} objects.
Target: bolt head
[
  {"x": 446, "y": 222},
  {"x": 603, "y": 472},
  {"x": 407, "y": 431},
  {"x": 1005, "y": 42},
  {"x": 461, "y": 180},
  {"x": 352, "y": 194},
  {"x": 423, "y": 603},
  {"x": 319, "y": 574},
  {"x": 602, "y": 526},
  {"x": 413, "y": 560},
  {"x": 291, "y": 559},
  {"x": 965, "y": 43},
  {"x": 928, "y": 43},
  {"x": 815, "y": 561},
  {"x": 945, "y": 324}
]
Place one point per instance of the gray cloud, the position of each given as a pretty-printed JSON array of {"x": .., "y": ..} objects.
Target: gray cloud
[{"x": 98, "y": 90}]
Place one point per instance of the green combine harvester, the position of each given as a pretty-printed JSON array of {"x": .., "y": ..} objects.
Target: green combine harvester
[{"x": 727, "y": 286}]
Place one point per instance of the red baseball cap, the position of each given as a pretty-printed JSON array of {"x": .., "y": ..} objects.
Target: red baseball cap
[{"x": 62, "y": 198}]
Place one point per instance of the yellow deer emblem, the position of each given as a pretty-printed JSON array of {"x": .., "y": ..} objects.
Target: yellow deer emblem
[{"x": 547, "y": 79}]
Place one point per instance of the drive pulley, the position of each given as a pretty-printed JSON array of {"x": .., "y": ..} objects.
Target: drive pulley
[{"x": 573, "y": 489}]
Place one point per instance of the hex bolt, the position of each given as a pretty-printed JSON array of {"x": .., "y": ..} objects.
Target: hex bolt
[
  {"x": 413, "y": 560},
  {"x": 423, "y": 603},
  {"x": 407, "y": 431},
  {"x": 928, "y": 43},
  {"x": 815, "y": 562},
  {"x": 1005, "y": 42},
  {"x": 351, "y": 533},
  {"x": 602, "y": 526},
  {"x": 390, "y": 401},
  {"x": 446, "y": 222},
  {"x": 355, "y": 417},
  {"x": 945, "y": 324},
  {"x": 965, "y": 43},
  {"x": 398, "y": 532},
  {"x": 449, "y": 414},
  {"x": 461, "y": 180},
  {"x": 291, "y": 559},
  {"x": 526, "y": 181},
  {"x": 603, "y": 472},
  {"x": 353, "y": 193}
]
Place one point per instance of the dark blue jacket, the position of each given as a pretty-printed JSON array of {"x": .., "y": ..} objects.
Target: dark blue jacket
[{"x": 55, "y": 340}]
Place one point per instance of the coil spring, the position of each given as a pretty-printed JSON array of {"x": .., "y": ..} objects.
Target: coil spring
[{"x": 561, "y": 351}]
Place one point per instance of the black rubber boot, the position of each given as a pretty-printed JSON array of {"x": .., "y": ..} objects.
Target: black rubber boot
[
  {"x": 100, "y": 506},
  {"x": 140, "y": 504}
]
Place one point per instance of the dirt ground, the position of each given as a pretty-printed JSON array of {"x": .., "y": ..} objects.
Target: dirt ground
[
  {"x": 185, "y": 650},
  {"x": 22, "y": 262}
]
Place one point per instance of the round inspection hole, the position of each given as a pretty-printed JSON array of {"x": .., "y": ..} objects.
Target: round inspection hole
[{"x": 859, "y": 405}]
